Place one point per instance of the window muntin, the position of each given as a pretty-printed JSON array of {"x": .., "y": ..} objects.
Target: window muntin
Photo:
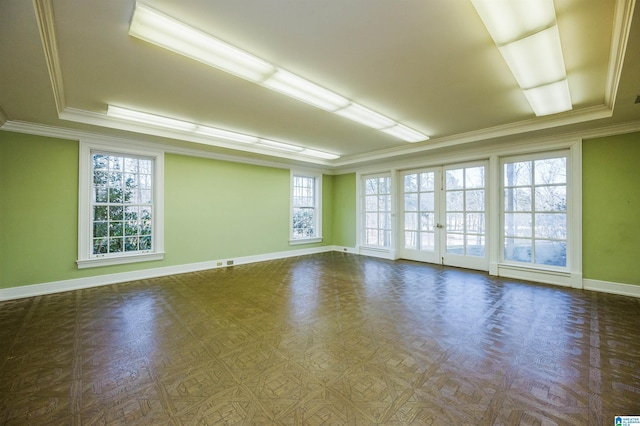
[
  {"x": 122, "y": 204},
  {"x": 535, "y": 211},
  {"x": 303, "y": 200},
  {"x": 377, "y": 211}
]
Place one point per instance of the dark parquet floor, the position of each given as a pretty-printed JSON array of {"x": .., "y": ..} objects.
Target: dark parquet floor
[{"x": 328, "y": 339}]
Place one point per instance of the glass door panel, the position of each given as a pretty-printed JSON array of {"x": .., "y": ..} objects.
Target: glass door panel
[{"x": 418, "y": 218}]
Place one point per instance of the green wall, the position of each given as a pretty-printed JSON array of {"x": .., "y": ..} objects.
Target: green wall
[
  {"x": 611, "y": 209},
  {"x": 344, "y": 210},
  {"x": 213, "y": 210}
]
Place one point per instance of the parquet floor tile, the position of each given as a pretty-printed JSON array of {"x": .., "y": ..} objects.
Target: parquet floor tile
[{"x": 326, "y": 339}]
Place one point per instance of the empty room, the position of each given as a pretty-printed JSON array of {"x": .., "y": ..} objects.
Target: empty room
[{"x": 319, "y": 212}]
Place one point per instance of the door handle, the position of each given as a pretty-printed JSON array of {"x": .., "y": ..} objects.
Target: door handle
[{"x": 439, "y": 225}]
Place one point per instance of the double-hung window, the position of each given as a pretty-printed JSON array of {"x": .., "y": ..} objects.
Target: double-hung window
[
  {"x": 306, "y": 221},
  {"x": 120, "y": 205}
]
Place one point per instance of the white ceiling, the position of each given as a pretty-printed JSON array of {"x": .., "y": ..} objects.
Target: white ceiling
[{"x": 429, "y": 64}]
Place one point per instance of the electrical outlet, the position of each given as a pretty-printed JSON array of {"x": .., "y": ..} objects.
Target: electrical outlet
[
  {"x": 229, "y": 262},
  {"x": 219, "y": 264}
]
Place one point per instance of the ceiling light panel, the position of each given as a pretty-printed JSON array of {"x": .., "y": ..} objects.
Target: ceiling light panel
[
  {"x": 150, "y": 119},
  {"x": 165, "y": 31},
  {"x": 549, "y": 99}
]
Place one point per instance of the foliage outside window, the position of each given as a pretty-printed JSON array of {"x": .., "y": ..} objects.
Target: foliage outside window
[
  {"x": 535, "y": 211},
  {"x": 305, "y": 208},
  {"x": 377, "y": 211}
]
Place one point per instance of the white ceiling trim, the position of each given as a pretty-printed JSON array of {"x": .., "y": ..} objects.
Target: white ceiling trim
[
  {"x": 46, "y": 25},
  {"x": 619, "y": 39}
]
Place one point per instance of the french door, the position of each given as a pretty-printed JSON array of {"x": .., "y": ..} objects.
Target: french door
[{"x": 443, "y": 215}]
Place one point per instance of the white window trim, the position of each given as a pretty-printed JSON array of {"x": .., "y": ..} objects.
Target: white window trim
[
  {"x": 85, "y": 257},
  {"x": 318, "y": 203},
  {"x": 363, "y": 248}
]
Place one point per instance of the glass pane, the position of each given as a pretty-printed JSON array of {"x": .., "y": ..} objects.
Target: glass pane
[
  {"x": 551, "y": 225},
  {"x": 145, "y": 181},
  {"x": 145, "y": 196},
  {"x": 384, "y": 185},
  {"x": 100, "y": 178},
  {"x": 517, "y": 174},
  {"x": 475, "y": 223},
  {"x": 475, "y": 245},
  {"x": 427, "y": 202},
  {"x": 116, "y": 229},
  {"x": 100, "y": 213},
  {"x": 411, "y": 202},
  {"x": 371, "y": 220},
  {"x": 475, "y": 200},
  {"x": 372, "y": 237},
  {"x": 427, "y": 181},
  {"x": 385, "y": 238},
  {"x": 100, "y": 229},
  {"x": 100, "y": 245},
  {"x": 100, "y": 195},
  {"x": 517, "y": 225},
  {"x": 552, "y": 170},
  {"x": 551, "y": 253},
  {"x": 145, "y": 213},
  {"x": 145, "y": 166},
  {"x": 145, "y": 243},
  {"x": 411, "y": 240},
  {"x": 115, "y": 163},
  {"x": 131, "y": 212},
  {"x": 455, "y": 244},
  {"x": 455, "y": 201},
  {"x": 115, "y": 245},
  {"x": 427, "y": 221},
  {"x": 100, "y": 162},
  {"x": 551, "y": 198},
  {"x": 518, "y": 250},
  {"x": 411, "y": 221},
  {"x": 115, "y": 195},
  {"x": 371, "y": 203},
  {"x": 371, "y": 186},
  {"x": 131, "y": 244},
  {"x": 517, "y": 199},
  {"x": 115, "y": 213},
  {"x": 384, "y": 203},
  {"x": 455, "y": 222},
  {"x": 427, "y": 241},
  {"x": 385, "y": 220},
  {"x": 474, "y": 177},
  {"x": 453, "y": 179},
  {"x": 145, "y": 228},
  {"x": 131, "y": 165},
  {"x": 131, "y": 228},
  {"x": 411, "y": 183}
]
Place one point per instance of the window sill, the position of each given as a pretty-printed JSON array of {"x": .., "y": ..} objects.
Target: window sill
[
  {"x": 119, "y": 260},
  {"x": 305, "y": 241}
]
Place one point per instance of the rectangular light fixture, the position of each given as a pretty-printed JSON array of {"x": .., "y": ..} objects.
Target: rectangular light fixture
[
  {"x": 306, "y": 91},
  {"x": 211, "y": 132},
  {"x": 527, "y": 36},
  {"x": 150, "y": 119},
  {"x": 403, "y": 132},
  {"x": 550, "y": 98},
  {"x": 150, "y": 25},
  {"x": 164, "y": 31}
]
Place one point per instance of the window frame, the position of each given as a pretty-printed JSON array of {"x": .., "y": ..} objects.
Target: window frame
[
  {"x": 86, "y": 258},
  {"x": 362, "y": 222},
  {"x": 317, "y": 196}
]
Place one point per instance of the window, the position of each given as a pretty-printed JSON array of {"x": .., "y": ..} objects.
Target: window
[
  {"x": 306, "y": 223},
  {"x": 535, "y": 210},
  {"x": 377, "y": 211},
  {"x": 120, "y": 206}
]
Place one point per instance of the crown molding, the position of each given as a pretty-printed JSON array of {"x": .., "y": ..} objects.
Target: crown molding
[
  {"x": 77, "y": 135},
  {"x": 619, "y": 39},
  {"x": 46, "y": 25}
]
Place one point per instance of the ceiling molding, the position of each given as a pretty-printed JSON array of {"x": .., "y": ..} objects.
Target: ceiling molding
[
  {"x": 46, "y": 25},
  {"x": 77, "y": 135},
  {"x": 511, "y": 129},
  {"x": 619, "y": 39}
]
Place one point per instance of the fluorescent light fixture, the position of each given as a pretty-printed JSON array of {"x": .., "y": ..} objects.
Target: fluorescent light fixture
[
  {"x": 320, "y": 154},
  {"x": 164, "y": 31},
  {"x": 550, "y": 99},
  {"x": 365, "y": 116},
  {"x": 225, "y": 134},
  {"x": 151, "y": 119},
  {"x": 536, "y": 59},
  {"x": 306, "y": 91},
  {"x": 279, "y": 145},
  {"x": 403, "y": 132},
  {"x": 212, "y": 132},
  {"x": 157, "y": 28},
  {"x": 509, "y": 20},
  {"x": 527, "y": 36}
]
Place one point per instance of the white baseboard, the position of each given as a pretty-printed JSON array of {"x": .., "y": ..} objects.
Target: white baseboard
[
  {"x": 614, "y": 288},
  {"x": 100, "y": 280}
]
